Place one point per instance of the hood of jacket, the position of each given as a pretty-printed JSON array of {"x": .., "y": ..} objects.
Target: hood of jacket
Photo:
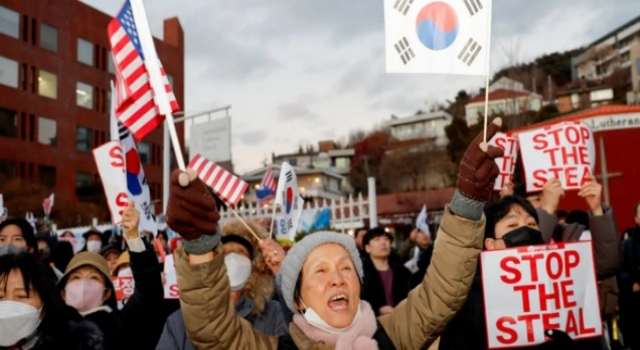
[
  {"x": 259, "y": 287},
  {"x": 82, "y": 334}
]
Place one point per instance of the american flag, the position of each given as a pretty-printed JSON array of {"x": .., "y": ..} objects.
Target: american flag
[
  {"x": 267, "y": 190},
  {"x": 47, "y": 204},
  {"x": 135, "y": 104},
  {"x": 227, "y": 186}
]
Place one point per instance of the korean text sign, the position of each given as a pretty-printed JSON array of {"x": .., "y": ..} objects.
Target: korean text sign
[
  {"x": 506, "y": 164},
  {"x": 532, "y": 289},
  {"x": 565, "y": 151}
]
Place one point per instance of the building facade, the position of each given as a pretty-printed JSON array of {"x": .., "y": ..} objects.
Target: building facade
[
  {"x": 607, "y": 54},
  {"x": 428, "y": 126},
  {"x": 583, "y": 94},
  {"x": 55, "y": 73}
]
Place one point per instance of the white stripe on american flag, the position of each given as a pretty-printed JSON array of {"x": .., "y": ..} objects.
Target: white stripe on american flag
[
  {"x": 117, "y": 36},
  {"x": 129, "y": 112},
  {"x": 145, "y": 118}
]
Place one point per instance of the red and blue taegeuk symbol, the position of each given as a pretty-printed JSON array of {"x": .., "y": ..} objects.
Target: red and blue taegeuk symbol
[
  {"x": 134, "y": 172},
  {"x": 288, "y": 201},
  {"x": 437, "y": 25}
]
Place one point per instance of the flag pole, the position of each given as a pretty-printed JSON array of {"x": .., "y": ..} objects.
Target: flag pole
[
  {"x": 245, "y": 224},
  {"x": 273, "y": 218},
  {"x": 486, "y": 83},
  {"x": 155, "y": 77}
]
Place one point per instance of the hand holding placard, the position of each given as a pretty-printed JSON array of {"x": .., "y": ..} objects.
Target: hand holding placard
[
  {"x": 552, "y": 191},
  {"x": 130, "y": 221}
]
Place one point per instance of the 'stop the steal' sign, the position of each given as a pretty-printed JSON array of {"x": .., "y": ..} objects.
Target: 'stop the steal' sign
[
  {"x": 532, "y": 289},
  {"x": 565, "y": 151},
  {"x": 506, "y": 164}
]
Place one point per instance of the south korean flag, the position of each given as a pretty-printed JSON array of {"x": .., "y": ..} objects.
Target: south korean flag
[{"x": 442, "y": 37}]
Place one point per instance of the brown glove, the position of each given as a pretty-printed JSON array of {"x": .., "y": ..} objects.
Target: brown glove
[
  {"x": 478, "y": 169},
  {"x": 191, "y": 211}
]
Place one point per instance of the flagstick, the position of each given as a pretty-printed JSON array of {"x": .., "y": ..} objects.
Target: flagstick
[
  {"x": 245, "y": 224},
  {"x": 486, "y": 86},
  {"x": 273, "y": 218},
  {"x": 174, "y": 141}
]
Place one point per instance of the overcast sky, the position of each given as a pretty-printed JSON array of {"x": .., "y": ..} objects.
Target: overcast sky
[{"x": 300, "y": 71}]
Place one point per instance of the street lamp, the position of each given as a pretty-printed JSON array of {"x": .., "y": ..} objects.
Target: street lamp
[{"x": 166, "y": 161}]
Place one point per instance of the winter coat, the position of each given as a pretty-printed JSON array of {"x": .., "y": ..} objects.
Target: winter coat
[
  {"x": 373, "y": 289},
  {"x": 137, "y": 325},
  {"x": 608, "y": 250},
  {"x": 76, "y": 334},
  {"x": 211, "y": 322},
  {"x": 270, "y": 322}
]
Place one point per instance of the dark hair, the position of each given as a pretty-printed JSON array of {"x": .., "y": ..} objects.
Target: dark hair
[
  {"x": 26, "y": 229},
  {"x": 578, "y": 217},
  {"x": 358, "y": 230},
  {"x": 61, "y": 255},
  {"x": 496, "y": 211},
  {"x": 561, "y": 214},
  {"x": 37, "y": 279},
  {"x": 520, "y": 190},
  {"x": 374, "y": 233},
  {"x": 635, "y": 208},
  {"x": 164, "y": 235}
]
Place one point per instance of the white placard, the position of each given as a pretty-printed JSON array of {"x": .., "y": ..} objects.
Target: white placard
[
  {"x": 506, "y": 164},
  {"x": 565, "y": 151},
  {"x": 529, "y": 290},
  {"x": 111, "y": 167},
  {"x": 212, "y": 140},
  {"x": 171, "y": 290}
]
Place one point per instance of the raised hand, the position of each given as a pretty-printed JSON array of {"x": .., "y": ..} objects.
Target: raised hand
[
  {"x": 273, "y": 254},
  {"x": 591, "y": 191},
  {"x": 478, "y": 169},
  {"x": 552, "y": 191},
  {"x": 130, "y": 221}
]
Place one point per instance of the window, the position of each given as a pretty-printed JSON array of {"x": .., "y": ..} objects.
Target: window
[
  {"x": 8, "y": 123},
  {"x": 8, "y": 169},
  {"x": 47, "y": 131},
  {"x": 47, "y": 175},
  {"x": 8, "y": 72},
  {"x": 144, "y": 151},
  {"x": 84, "y": 95},
  {"x": 85, "y": 52},
  {"x": 48, "y": 37},
  {"x": 47, "y": 84},
  {"x": 110, "y": 63},
  {"x": 83, "y": 183},
  {"x": 9, "y": 22},
  {"x": 83, "y": 139}
]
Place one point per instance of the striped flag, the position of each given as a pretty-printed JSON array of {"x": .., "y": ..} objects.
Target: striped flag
[
  {"x": 136, "y": 101},
  {"x": 442, "y": 37},
  {"x": 227, "y": 186},
  {"x": 267, "y": 190},
  {"x": 47, "y": 205}
]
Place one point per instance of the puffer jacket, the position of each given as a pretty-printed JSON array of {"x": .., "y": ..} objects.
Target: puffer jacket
[
  {"x": 211, "y": 321},
  {"x": 270, "y": 322},
  {"x": 608, "y": 250}
]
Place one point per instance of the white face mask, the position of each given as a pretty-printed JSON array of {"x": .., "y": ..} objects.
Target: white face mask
[
  {"x": 94, "y": 246},
  {"x": 17, "y": 321},
  {"x": 125, "y": 272},
  {"x": 238, "y": 270},
  {"x": 315, "y": 320}
]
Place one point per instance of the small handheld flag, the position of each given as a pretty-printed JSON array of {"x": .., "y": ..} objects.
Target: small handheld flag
[
  {"x": 422, "y": 222},
  {"x": 267, "y": 190},
  {"x": 227, "y": 186}
]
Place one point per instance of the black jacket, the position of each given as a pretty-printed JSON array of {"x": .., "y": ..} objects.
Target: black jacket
[
  {"x": 468, "y": 329},
  {"x": 77, "y": 334},
  {"x": 631, "y": 264},
  {"x": 373, "y": 290},
  {"x": 139, "y": 324}
]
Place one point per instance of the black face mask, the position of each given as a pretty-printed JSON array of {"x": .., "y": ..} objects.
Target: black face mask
[{"x": 522, "y": 236}]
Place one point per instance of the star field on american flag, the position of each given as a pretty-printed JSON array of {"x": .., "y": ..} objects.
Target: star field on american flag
[{"x": 126, "y": 20}]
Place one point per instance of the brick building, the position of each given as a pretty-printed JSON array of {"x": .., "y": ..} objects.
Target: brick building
[{"x": 55, "y": 72}]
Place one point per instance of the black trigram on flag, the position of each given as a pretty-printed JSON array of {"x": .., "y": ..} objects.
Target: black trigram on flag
[
  {"x": 403, "y": 6},
  {"x": 403, "y": 49},
  {"x": 469, "y": 52},
  {"x": 289, "y": 224},
  {"x": 289, "y": 176},
  {"x": 474, "y": 6}
]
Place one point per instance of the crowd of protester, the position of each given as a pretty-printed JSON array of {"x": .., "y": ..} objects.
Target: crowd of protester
[{"x": 372, "y": 290}]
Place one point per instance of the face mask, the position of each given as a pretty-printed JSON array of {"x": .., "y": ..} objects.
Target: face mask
[
  {"x": 523, "y": 236},
  {"x": 315, "y": 320},
  {"x": 125, "y": 272},
  {"x": 84, "y": 295},
  {"x": 11, "y": 249},
  {"x": 17, "y": 321},
  {"x": 238, "y": 270},
  {"x": 94, "y": 246}
]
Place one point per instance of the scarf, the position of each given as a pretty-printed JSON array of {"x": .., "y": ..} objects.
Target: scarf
[{"x": 358, "y": 337}]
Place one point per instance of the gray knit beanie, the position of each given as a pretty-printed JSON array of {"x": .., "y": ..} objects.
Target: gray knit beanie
[{"x": 292, "y": 264}]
